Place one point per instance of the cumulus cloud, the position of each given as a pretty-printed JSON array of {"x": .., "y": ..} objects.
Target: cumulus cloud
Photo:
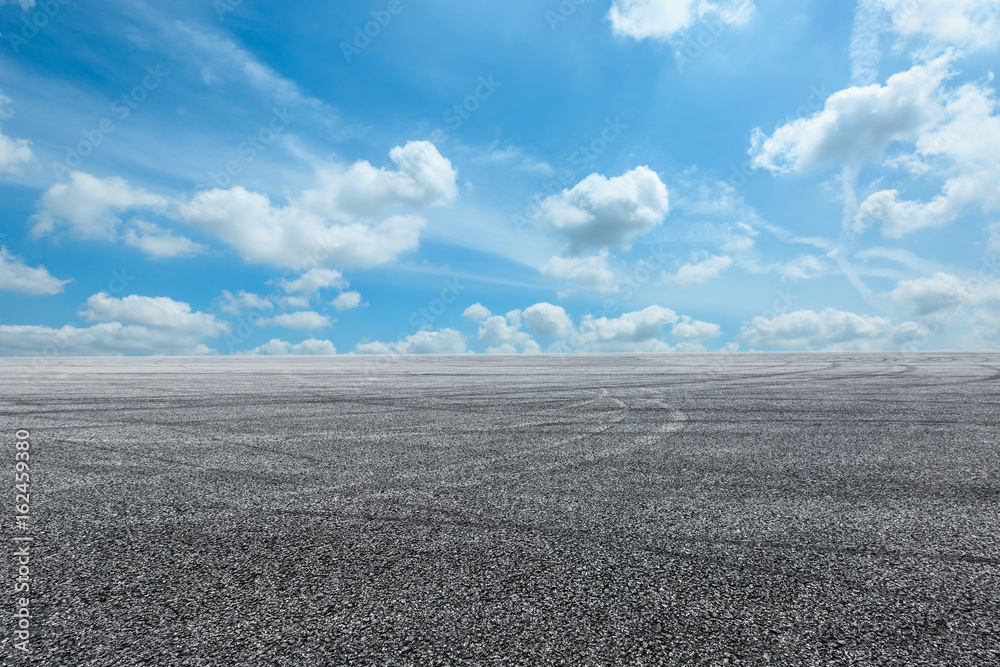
[
  {"x": 830, "y": 329},
  {"x": 698, "y": 273},
  {"x": 639, "y": 331},
  {"x": 601, "y": 211},
  {"x": 663, "y": 19},
  {"x": 358, "y": 216},
  {"x": 477, "y": 312},
  {"x": 312, "y": 281},
  {"x": 289, "y": 236},
  {"x": 689, "y": 329},
  {"x": 586, "y": 272},
  {"x": 347, "y": 301},
  {"x": 303, "y": 319},
  {"x": 129, "y": 325},
  {"x": 90, "y": 207},
  {"x": 505, "y": 336},
  {"x": 278, "y": 347},
  {"x": 423, "y": 177},
  {"x": 548, "y": 320},
  {"x": 857, "y": 124},
  {"x": 942, "y": 295},
  {"x": 161, "y": 313},
  {"x": 242, "y": 301},
  {"x": 16, "y": 276},
  {"x": 159, "y": 243},
  {"x": 104, "y": 339},
  {"x": 446, "y": 341},
  {"x": 965, "y": 149}
]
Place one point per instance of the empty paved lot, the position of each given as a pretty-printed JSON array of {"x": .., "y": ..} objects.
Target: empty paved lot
[{"x": 750, "y": 509}]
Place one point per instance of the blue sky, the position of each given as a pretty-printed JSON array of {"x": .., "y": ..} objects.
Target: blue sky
[{"x": 510, "y": 177}]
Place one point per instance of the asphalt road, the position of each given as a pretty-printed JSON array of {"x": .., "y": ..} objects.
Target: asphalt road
[{"x": 688, "y": 510}]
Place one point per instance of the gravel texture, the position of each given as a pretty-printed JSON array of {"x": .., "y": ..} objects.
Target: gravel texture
[{"x": 578, "y": 510}]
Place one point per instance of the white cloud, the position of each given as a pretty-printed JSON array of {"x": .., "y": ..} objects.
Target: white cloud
[
  {"x": 524, "y": 162},
  {"x": 587, "y": 272},
  {"x": 423, "y": 177},
  {"x": 639, "y": 331},
  {"x": 90, "y": 207},
  {"x": 223, "y": 53},
  {"x": 304, "y": 319},
  {"x": 107, "y": 338},
  {"x": 288, "y": 236},
  {"x": 942, "y": 295},
  {"x": 236, "y": 304},
  {"x": 130, "y": 325},
  {"x": 698, "y": 273},
  {"x": 663, "y": 19},
  {"x": 969, "y": 24},
  {"x": 161, "y": 313},
  {"x": 805, "y": 267},
  {"x": 830, "y": 329},
  {"x": 866, "y": 55},
  {"x": 312, "y": 281},
  {"x": 278, "y": 347},
  {"x": 347, "y": 301},
  {"x": 985, "y": 333},
  {"x": 689, "y": 329},
  {"x": 16, "y": 276},
  {"x": 858, "y": 123},
  {"x": 477, "y": 312},
  {"x": 292, "y": 301},
  {"x": 601, "y": 211},
  {"x": 965, "y": 149},
  {"x": 14, "y": 153},
  {"x": 159, "y": 243},
  {"x": 548, "y": 320},
  {"x": 337, "y": 223},
  {"x": 446, "y": 341},
  {"x": 505, "y": 335}
]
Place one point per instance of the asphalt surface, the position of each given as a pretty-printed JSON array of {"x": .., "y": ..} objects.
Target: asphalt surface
[{"x": 688, "y": 510}]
